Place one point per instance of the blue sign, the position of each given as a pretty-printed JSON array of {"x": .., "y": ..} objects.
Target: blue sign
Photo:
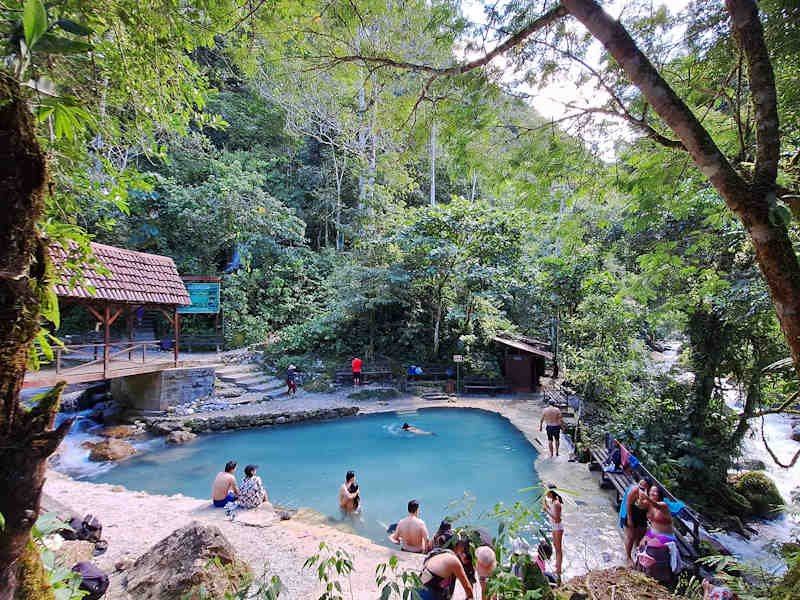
[{"x": 205, "y": 298}]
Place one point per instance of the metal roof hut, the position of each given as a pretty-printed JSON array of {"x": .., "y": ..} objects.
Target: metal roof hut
[
  {"x": 119, "y": 282},
  {"x": 524, "y": 362}
]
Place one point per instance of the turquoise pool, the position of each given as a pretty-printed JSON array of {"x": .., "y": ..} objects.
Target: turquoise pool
[{"x": 473, "y": 451}]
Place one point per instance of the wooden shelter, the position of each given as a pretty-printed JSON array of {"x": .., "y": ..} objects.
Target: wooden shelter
[
  {"x": 524, "y": 363},
  {"x": 115, "y": 284}
]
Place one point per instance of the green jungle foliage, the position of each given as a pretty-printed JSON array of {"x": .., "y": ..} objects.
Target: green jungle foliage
[{"x": 230, "y": 141}]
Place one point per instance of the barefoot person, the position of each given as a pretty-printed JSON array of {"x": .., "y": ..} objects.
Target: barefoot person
[
  {"x": 252, "y": 493},
  {"x": 633, "y": 516},
  {"x": 224, "y": 488},
  {"x": 415, "y": 430},
  {"x": 553, "y": 504},
  {"x": 411, "y": 532},
  {"x": 552, "y": 417},
  {"x": 440, "y": 570},
  {"x": 347, "y": 499}
]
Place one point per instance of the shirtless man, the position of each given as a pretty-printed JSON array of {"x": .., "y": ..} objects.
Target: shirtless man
[
  {"x": 224, "y": 489},
  {"x": 552, "y": 416},
  {"x": 411, "y": 533},
  {"x": 346, "y": 497}
]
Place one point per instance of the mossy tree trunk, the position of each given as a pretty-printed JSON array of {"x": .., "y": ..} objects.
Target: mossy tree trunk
[{"x": 27, "y": 436}]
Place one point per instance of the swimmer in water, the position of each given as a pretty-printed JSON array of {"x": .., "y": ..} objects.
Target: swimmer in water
[{"x": 415, "y": 430}]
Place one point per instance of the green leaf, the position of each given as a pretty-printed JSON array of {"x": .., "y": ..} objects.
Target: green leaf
[
  {"x": 73, "y": 27},
  {"x": 34, "y": 21},
  {"x": 53, "y": 44},
  {"x": 2, "y": 522}
]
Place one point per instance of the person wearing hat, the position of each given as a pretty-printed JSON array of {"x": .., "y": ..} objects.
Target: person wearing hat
[
  {"x": 251, "y": 493},
  {"x": 291, "y": 380}
]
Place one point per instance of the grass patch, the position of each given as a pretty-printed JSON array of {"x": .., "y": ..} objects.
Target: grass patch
[{"x": 379, "y": 394}]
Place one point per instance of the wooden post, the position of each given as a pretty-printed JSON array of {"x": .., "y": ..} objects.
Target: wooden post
[
  {"x": 177, "y": 324},
  {"x": 130, "y": 334},
  {"x": 106, "y": 339}
]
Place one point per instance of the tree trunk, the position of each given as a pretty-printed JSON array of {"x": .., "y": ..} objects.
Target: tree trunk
[
  {"x": 707, "y": 339},
  {"x": 433, "y": 163},
  {"x": 750, "y": 201},
  {"x": 26, "y": 436}
]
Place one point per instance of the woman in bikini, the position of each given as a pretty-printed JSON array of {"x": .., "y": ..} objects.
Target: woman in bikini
[
  {"x": 553, "y": 504},
  {"x": 659, "y": 541},
  {"x": 442, "y": 567}
]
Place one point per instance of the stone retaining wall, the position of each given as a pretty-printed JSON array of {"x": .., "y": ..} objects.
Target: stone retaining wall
[{"x": 223, "y": 422}]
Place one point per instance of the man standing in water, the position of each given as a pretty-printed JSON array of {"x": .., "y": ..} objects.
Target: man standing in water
[
  {"x": 411, "y": 532},
  {"x": 347, "y": 499},
  {"x": 552, "y": 416}
]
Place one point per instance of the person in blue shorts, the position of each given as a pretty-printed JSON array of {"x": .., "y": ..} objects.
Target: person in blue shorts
[{"x": 224, "y": 489}]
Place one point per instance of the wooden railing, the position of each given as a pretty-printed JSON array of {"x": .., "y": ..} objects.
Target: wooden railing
[{"x": 96, "y": 354}]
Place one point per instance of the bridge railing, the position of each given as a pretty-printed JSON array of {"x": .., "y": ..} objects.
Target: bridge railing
[{"x": 100, "y": 354}]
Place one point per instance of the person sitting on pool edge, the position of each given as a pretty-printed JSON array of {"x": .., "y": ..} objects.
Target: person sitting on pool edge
[
  {"x": 411, "y": 532},
  {"x": 415, "y": 430},
  {"x": 347, "y": 498},
  {"x": 252, "y": 493},
  {"x": 224, "y": 488}
]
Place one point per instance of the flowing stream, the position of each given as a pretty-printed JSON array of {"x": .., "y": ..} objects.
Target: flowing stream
[{"x": 763, "y": 548}]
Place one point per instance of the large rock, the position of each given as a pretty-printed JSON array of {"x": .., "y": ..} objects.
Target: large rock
[
  {"x": 796, "y": 433},
  {"x": 189, "y": 558},
  {"x": 120, "y": 431},
  {"x": 180, "y": 437},
  {"x": 761, "y": 492},
  {"x": 110, "y": 449}
]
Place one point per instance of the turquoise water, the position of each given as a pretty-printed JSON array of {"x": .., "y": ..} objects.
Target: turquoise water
[{"x": 303, "y": 465}]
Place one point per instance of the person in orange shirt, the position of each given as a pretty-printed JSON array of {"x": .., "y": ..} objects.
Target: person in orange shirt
[{"x": 356, "y": 364}]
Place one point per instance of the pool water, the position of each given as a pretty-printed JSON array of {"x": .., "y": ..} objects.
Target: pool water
[{"x": 474, "y": 452}]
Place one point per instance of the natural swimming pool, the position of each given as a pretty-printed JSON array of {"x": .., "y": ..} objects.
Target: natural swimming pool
[{"x": 303, "y": 465}]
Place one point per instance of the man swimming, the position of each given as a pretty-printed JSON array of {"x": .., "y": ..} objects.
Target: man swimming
[
  {"x": 347, "y": 499},
  {"x": 411, "y": 532},
  {"x": 224, "y": 489},
  {"x": 552, "y": 416},
  {"x": 415, "y": 430}
]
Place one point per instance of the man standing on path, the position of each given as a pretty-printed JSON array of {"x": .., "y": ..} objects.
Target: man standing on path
[
  {"x": 552, "y": 416},
  {"x": 356, "y": 364},
  {"x": 411, "y": 532}
]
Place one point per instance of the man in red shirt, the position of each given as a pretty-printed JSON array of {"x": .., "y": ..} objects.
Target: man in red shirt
[{"x": 356, "y": 371}]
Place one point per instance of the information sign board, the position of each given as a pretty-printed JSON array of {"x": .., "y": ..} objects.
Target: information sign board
[
  {"x": 205, "y": 298},
  {"x": 458, "y": 358}
]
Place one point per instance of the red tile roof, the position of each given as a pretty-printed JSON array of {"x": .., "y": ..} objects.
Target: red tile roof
[{"x": 133, "y": 278}]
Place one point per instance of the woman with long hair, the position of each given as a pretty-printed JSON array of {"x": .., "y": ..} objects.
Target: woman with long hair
[{"x": 553, "y": 504}]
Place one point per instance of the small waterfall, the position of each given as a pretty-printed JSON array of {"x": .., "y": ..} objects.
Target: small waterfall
[{"x": 764, "y": 547}]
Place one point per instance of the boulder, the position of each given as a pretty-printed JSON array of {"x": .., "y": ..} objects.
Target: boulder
[
  {"x": 119, "y": 431},
  {"x": 796, "y": 433},
  {"x": 751, "y": 464},
  {"x": 110, "y": 449},
  {"x": 180, "y": 436},
  {"x": 193, "y": 557},
  {"x": 761, "y": 492},
  {"x": 70, "y": 552}
]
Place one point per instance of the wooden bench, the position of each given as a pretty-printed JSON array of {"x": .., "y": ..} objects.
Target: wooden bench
[
  {"x": 374, "y": 371},
  {"x": 492, "y": 386}
]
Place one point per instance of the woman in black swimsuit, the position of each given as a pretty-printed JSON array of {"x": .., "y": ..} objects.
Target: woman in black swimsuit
[{"x": 442, "y": 567}]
